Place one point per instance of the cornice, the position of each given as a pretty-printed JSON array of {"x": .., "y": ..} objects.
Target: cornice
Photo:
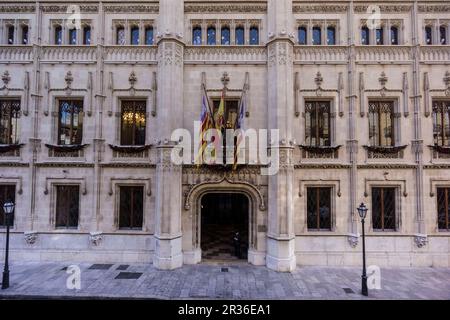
[
  {"x": 17, "y": 8},
  {"x": 127, "y": 165},
  {"x": 322, "y": 166},
  {"x": 64, "y": 165},
  {"x": 14, "y": 164},
  {"x": 322, "y": 8},
  {"x": 389, "y": 8},
  {"x": 131, "y": 8},
  {"x": 58, "y": 8},
  {"x": 225, "y": 8},
  {"x": 386, "y": 166},
  {"x": 434, "y": 8}
]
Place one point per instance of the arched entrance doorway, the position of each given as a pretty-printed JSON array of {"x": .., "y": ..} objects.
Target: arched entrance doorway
[{"x": 224, "y": 226}]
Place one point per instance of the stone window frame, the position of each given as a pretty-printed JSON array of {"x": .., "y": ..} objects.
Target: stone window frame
[
  {"x": 386, "y": 25},
  {"x": 317, "y": 183},
  {"x": 445, "y": 185},
  {"x": 54, "y": 183},
  {"x": 435, "y": 25},
  {"x": 323, "y": 24},
  {"x": 65, "y": 40},
  {"x": 398, "y": 207},
  {"x": 127, "y": 24},
  {"x": 56, "y": 98},
  {"x": 118, "y": 113},
  {"x": 129, "y": 182},
  {"x": 218, "y": 24},
  {"x": 18, "y": 25}
]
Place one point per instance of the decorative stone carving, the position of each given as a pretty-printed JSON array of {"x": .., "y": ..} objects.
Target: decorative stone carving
[
  {"x": 6, "y": 78},
  {"x": 131, "y": 8},
  {"x": 429, "y": 8},
  {"x": 446, "y": 80},
  {"x": 426, "y": 89},
  {"x": 30, "y": 237},
  {"x": 384, "y": 8},
  {"x": 95, "y": 238},
  {"x": 353, "y": 239},
  {"x": 420, "y": 240},
  {"x": 227, "y": 8},
  {"x": 10, "y": 8},
  {"x": 319, "y": 8},
  {"x": 64, "y": 8},
  {"x": 225, "y": 80}
]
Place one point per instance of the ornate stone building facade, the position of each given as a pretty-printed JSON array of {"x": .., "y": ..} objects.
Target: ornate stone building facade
[{"x": 88, "y": 110}]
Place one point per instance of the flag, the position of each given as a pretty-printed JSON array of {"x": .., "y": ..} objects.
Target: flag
[
  {"x": 240, "y": 127},
  {"x": 206, "y": 123},
  {"x": 219, "y": 117}
]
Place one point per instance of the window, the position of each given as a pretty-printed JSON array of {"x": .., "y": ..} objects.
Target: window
[
  {"x": 317, "y": 126},
  {"x": 7, "y": 193},
  {"x": 428, "y": 35},
  {"x": 383, "y": 208},
  {"x": 331, "y": 36},
  {"x": 197, "y": 36},
  {"x": 133, "y": 122},
  {"x": 134, "y": 35},
  {"x": 58, "y": 35},
  {"x": 149, "y": 35},
  {"x": 365, "y": 36},
  {"x": 381, "y": 123},
  {"x": 394, "y": 35},
  {"x": 240, "y": 37},
  {"x": 441, "y": 123},
  {"x": 443, "y": 34},
  {"x": 87, "y": 35},
  {"x": 67, "y": 206},
  {"x": 302, "y": 35},
  {"x": 73, "y": 36},
  {"x": 231, "y": 112},
  {"x": 9, "y": 121},
  {"x": 11, "y": 31},
  {"x": 254, "y": 36},
  {"x": 131, "y": 207},
  {"x": 120, "y": 36},
  {"x": 211, "y": 36},
  {"x": 24, "y": 34},
  {"x": 443, "y": 205},
  {"x": 225, "y": 36},
  {"x": 379, "y": 37},
  {"x": 317, "y": 35},
  {"x": 319, "y": 208},
  {"x": 70, "y": 130}
]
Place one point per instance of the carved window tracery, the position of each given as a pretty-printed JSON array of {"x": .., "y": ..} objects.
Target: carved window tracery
[
  {"x": 70, "y": 125},
  {"x": 443, "y": 206},
  {"x": 133, "y": 122},
  {"x": 9, "y": 121}
]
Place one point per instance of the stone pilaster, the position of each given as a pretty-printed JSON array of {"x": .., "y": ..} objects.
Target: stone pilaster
[
  {"x": 168, "y": 254},
  {"x": 280, "y": 236}
]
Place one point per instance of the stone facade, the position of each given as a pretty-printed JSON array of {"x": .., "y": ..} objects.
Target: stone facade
[{"x": 280, "y": 76}]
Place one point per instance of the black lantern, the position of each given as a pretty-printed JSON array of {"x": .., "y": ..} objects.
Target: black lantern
[
  {"x": 362, "y": 211},
  {"x": 8, "y": 208}
]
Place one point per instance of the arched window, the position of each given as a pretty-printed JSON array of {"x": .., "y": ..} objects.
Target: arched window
[
  {"x": 379, "y": 36},
  {"x": 211, "y": 36},
  {"x": 87, "y": 35},
  {"x": 73, "y": 36},
  {"x": 149, "y": 35},
  {"x": 365, "y": 36},
  {"x": 240, "y": 37},
  {"x": 58, "y": 35},
  {"x": 10, "y": 34},
  {"x": 428, "y": 35},
  {"x": 24, "y": 34},
  {"x": 254, "y": 35},
  {"x": 443, "y": 34},
  {"x": 394, "y": 35},
  {"x": 302, "y": 35},
  {"x": 225, "y": 36},
  {"x": 197, "y": 36},
  {"x": 135, "y": 35},
  {"x": 317, "y": 35},
  {"x": 331, "y": 36},
  {"x": 120, "y": 36}
]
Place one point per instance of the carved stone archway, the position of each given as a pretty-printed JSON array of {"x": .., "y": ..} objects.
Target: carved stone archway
[{"x": 192, "y": 218}]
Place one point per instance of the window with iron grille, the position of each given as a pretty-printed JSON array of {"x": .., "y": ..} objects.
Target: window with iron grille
[
  {"x": 381, "y": 123},
  {"x": 384, "y": 208},
  {"x": 133, "y": 121},
  {"x": 318, "y": 122},
  {"x": 7, "y": 193},
  {"x": 67, "y": 206},
  {"x": 9, "y": 121},
  {"x": 70, "y": 128},
  {"x": 319, "y": 208},
  {"x": 131, "y": 211},
  {"x": 443, "y": 205},
  {"x": 441, "y": 123}
]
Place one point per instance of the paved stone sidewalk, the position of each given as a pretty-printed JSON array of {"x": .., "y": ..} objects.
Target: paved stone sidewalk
[{"x": 207, "y": 281}]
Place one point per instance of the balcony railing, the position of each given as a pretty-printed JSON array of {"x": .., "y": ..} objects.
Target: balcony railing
[
  {"x": 69, "y": 53},
  {"x": 320, "y": 54},
  {"x": 124, "y": 54},
  {"x": 225, "y": 55},
  {"x": 383, "y": 54},
  {"x": 16, "y": 54},
  {"x": 435, "y": 54}
]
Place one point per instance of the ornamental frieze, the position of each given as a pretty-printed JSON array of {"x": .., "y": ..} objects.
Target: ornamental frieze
[
  {"x": 64, "y": 8},
  {"x": 132, "y": 8},
  {"x": 384, "y": 8},
  {"x": 436, "y": 8},
  {"x": 13, "y": 8},
  {"x": 319, "y": 8},
  {"x": 228, "y": 8}
]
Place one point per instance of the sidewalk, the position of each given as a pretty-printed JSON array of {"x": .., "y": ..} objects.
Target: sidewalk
[{"x": 219, "y": 281}]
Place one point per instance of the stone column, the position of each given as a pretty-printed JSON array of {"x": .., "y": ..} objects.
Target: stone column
[
  {"x": 280, "y": 236},
  {"x": 168, "y": 253}
]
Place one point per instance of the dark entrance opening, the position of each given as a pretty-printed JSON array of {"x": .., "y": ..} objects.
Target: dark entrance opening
[{"x": 224, "y": 226}]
